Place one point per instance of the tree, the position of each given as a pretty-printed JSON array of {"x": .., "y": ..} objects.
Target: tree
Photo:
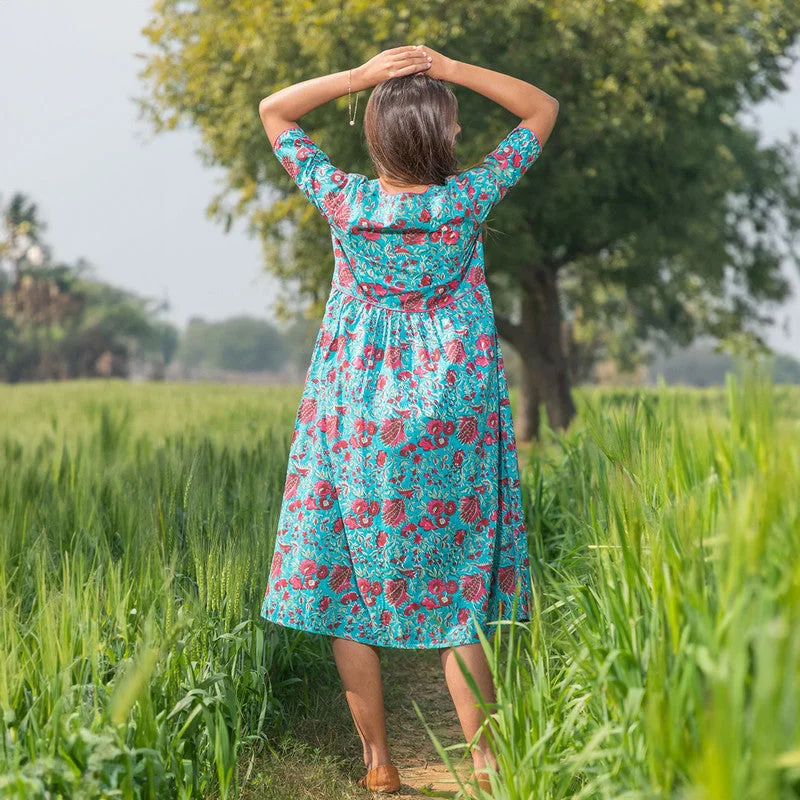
[
  {"x": 701, "y": 365},
  {"x": 654, "y": 211},
  {"x": 57, "y": 320},
  {"x": 241, "y": 343},
  {"x": 21, "y": 242},
  {"x": 300, "y": 335}
]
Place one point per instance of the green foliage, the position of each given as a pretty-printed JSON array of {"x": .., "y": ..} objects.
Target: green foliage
[
  {"x": 652, "y": 197},
  {"x": 662, "y": 658},
  {"x": 137, "y": 527},
  {"x": 240, "y": 343},
  {"x": 58, "y": 321}
]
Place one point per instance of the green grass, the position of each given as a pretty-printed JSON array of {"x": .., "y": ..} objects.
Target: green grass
[
  {"x": 137, "y": 521},
  {"x": 137, "y": 528},
  {"x": 663, "y": 658}
]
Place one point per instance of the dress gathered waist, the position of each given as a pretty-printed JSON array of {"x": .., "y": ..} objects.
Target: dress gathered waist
[{"x": 412, "y": 301}]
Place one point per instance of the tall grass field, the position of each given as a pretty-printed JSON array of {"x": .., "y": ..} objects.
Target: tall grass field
[{"x": 662, "y": 659}]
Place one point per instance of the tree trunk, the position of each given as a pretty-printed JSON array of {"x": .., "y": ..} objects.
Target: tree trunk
[{"x": 545, "y": 368}]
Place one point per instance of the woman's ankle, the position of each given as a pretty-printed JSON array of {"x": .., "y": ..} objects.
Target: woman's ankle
[
  {"x": 483, "y": 763},
  {"x": 376, "y": 757}
]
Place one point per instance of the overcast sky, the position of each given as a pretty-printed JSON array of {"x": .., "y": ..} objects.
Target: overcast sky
[{"x": 132, "y": 203}]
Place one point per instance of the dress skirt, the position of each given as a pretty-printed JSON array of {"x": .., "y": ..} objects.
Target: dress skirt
[{"x": 401, "y": 522}]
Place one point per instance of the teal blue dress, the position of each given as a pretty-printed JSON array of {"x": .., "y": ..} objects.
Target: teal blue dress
[{"x": 401, "y": 522}]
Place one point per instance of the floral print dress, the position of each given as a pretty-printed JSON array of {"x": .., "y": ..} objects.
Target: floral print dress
[{"x": 401, "y": 522}]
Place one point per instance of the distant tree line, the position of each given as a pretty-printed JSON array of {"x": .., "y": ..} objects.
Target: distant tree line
[
  {"x": 58, "y": 321},
  {"x": 702, "y": 365},
  {"x": 247, "y": 344}
]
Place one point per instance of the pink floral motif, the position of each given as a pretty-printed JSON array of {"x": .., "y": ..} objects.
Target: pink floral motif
[
  {"x": 394, "y": 511},
  {"x": 446, "y": 233},
  {"x": 396, "y": 591},
  {"x": 371, "y": 356}
]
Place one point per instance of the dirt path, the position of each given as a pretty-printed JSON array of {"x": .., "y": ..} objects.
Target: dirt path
[
  {"x": 416, "y": 675},
  {"x": 321, "y": 759}
]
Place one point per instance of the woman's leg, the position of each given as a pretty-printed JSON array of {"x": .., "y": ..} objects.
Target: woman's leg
[
  {"x": 359, "y": 666},
  {"x": 469, "y": 712}
]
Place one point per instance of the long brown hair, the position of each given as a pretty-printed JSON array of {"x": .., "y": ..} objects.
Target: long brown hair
[{"x": 409, "y": 123}]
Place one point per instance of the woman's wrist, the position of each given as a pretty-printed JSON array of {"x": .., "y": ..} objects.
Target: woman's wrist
[
  {"x": 358, "y": 79},
  {"x": 450, "y": 70}
]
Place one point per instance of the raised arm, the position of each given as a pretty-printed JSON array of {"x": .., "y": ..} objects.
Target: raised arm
[
  {"x": 281, "y": 110},
  {"x": 536, "y": 109}
]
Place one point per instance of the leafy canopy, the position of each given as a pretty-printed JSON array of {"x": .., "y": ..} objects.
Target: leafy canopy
[{"x": 661, "y": 210}]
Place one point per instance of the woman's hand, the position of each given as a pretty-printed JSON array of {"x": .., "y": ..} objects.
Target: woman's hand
[
  {"x": 441, "y": 66},
  {"x": 392, "y": 63}
]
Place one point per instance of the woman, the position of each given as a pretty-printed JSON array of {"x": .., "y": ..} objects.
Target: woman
[{"x": 402, "y": 522}]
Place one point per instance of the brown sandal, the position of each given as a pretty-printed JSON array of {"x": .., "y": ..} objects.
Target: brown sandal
[{"x": 383, "y": 778}]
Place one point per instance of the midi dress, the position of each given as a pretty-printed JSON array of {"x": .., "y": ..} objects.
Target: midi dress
[{"x": 401, "y": 523}]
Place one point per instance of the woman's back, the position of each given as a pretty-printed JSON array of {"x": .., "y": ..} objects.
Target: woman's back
[
  {"x": 410, "y": 250},
  {"x": 403, "y": 482}
]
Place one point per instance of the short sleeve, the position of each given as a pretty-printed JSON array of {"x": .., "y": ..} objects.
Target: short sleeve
[
  {"x": 311, "y": 169},
  {"x": 489, "y": 181}
]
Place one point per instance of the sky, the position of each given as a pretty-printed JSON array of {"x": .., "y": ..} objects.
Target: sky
[{"x": 132, "y": 203}]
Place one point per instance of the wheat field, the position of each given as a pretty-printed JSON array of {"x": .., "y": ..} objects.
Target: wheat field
[{"x": 662, "y": 659}]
